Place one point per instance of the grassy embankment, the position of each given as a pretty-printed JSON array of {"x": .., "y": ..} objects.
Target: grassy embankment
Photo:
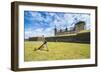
[{"x": 57, "y": 51}]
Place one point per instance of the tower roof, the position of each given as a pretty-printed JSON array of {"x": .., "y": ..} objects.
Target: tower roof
[{"x": 80, "y": 22}]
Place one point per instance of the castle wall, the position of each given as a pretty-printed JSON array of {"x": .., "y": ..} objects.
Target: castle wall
[
  {"x": 81, "y": 38},
  {"x": 65, "y": 33}
]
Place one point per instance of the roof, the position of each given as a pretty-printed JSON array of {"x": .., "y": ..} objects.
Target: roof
[{"x": 80, "y": 22}]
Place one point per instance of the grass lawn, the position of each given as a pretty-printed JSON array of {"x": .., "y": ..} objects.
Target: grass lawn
[{"x": 57, "y": 51}]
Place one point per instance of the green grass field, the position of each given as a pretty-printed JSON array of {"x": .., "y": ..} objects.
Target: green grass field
[{"x": 57, "y": 51}]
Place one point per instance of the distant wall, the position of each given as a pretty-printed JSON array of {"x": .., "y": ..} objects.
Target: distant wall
[
  {"x": 33, "y": 39},
  {"x": 80, "y": 37}
]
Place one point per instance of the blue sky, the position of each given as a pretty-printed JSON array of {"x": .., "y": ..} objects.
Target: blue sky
[{"x": 38, "y": 23}]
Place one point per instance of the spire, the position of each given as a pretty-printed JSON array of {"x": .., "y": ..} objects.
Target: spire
[
  {"x": 55, "y": 30},
  {"x": 66, "y": 29}
]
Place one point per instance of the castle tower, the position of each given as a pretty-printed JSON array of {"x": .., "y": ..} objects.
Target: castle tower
[
  {"x": 55, "y": 30},
  {"x": 80, "y": 26},
  {"x": 66, "y": 29}
]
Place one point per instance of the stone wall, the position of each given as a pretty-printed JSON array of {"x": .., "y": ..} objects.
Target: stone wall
[{"x": 80, "y": 37}]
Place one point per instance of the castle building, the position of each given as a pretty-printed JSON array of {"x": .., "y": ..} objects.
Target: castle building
[{"x": 79, "y": 26}]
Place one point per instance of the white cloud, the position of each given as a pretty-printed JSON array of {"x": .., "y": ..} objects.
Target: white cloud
[{"x": 39, "y": 32}]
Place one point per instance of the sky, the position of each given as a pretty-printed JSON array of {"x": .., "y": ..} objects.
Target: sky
[{"x": 38, "y": 23}]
